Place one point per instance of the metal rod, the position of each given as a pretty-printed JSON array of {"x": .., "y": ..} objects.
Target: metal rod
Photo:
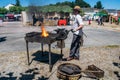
[
  {"x": 27, "y": 51},
  {"x": 42, "y": 49},
  {"x": 50, "y": 65},
  {"x": 61, "y": 49}
]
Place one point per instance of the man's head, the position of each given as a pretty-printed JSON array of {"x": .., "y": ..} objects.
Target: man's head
[{"x": 76, "y": 9}]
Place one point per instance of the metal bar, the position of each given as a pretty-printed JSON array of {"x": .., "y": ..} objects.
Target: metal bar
[
  {"x": 50, "y": 65},
  {"x": 42, "y": 49},
  {"x": 27, "y": 52},
  {"x": 61, "y": 49}
]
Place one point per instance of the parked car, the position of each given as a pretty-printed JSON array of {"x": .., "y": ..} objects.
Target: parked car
[
  {"x": 17, "y": 17},
  {"x": 9, "y": 17}
]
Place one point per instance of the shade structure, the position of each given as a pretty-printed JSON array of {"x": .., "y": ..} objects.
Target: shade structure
[{"x": 100, "y": 14}]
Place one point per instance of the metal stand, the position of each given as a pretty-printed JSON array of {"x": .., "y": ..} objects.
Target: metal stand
[
  {"x": 27, "y": 52},
  {"x": 50, "y": 65},
  {"x": 49, "y": 46},
  {"x": 42, "y": 49},
  {"x": 61, "y": 49}
]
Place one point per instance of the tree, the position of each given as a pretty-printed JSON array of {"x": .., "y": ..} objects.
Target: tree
[
  {"x": 82, "y": 3},
  {"x": 16, "y": 9},
  {"x": 55, "y": 8},
  {"x": 98, "y": 5},
  {"x": 3, "y": 10},
  {"x": 72, "y": 4},
  {"x": 18, "y": 3}
]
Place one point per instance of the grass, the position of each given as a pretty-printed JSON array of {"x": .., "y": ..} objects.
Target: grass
[{"x": 112, "y": 46}]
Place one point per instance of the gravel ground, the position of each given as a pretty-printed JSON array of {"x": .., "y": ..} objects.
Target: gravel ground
[
  {"x": 12, "y": 36},
  {"x": 13, "y": 58},
  {"x": 13, "y": 66}
]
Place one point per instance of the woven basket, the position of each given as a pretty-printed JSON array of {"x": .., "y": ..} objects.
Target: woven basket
[{"x": 64, "y": 76}]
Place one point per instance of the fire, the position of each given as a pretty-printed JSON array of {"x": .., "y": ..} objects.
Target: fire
[{"x": 44, "y": 32}]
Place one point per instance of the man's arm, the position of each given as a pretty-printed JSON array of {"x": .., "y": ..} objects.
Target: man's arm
[{"x": 81, "y": 26}]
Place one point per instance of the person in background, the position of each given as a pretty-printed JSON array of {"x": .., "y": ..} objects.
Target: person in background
[
  {"x": 34, "y": 19},
  {"x": 1, "y": 21},
  {"x": 77, "y": 35},
  {"x": 89, "y": 21},
  {"x": 101, "y": 20}
]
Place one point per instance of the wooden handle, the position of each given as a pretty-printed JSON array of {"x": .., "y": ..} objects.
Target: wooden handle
[{"x": 90, "y": 71}]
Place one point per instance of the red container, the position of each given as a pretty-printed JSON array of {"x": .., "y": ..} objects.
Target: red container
[{"x": 62, "y": 22}]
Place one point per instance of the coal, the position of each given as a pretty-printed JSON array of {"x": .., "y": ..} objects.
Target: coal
[
  {"x": 61, "y": 34},
  {"x": 36, "y": 37},
  {"x": 70, "y": 69}
]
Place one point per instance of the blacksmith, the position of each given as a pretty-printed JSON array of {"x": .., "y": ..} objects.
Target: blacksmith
[{"x": 77, "y": 34}]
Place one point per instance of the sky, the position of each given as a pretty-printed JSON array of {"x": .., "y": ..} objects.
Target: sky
[{"x": 107, "y": 4}]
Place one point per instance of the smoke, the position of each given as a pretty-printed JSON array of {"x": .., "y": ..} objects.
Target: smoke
[{"x": 34, "y": 6}]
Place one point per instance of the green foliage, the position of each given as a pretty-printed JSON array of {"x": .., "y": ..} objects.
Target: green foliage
[
  {"x": 59, "y": 7},
  {"x": 64, "y": 6},
  {"x": 112, "y": 46},
  {"x": 49, "y": 8},
  {"x": 103, "y": 12},
  {"x": 82, "y": 3},
  {"x": 63, "y": 3},
  {"x": 82, "y": 13},
  {"x": 98, "y": 5},
  {"x": 16, "y": 9},
  {"x": 3, "y": 10}
]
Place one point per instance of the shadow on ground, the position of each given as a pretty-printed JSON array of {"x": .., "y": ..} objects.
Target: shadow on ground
[
  {"x": 2, "y": 39},
  {"x": 7, "y": 76},
  {"x": 30, "y": 75},
  {"x": 27, "y": 75},
  {"x": 44, "y": 57},
  {"x": 116, "y": 72}
]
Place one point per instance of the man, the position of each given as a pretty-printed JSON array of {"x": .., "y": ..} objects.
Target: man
[
  {"x": 77, "y": 35},
  {"x": 101, "y": 20}
]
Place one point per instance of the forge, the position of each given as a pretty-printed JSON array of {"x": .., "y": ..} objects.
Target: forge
[{"x": 60, "y": 35}]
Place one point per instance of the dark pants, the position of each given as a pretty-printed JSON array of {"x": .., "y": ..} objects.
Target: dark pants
[{"x": 75, "y": 46}]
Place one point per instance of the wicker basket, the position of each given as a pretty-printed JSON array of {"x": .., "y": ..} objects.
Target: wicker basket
[{"x": 65, "y": 76}]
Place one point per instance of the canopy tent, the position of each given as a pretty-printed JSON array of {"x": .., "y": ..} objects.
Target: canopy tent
[
  {"x": 100, "y": 14},
  {"x": 119, "y": 19},
  {"x": 2, "y": 16}
]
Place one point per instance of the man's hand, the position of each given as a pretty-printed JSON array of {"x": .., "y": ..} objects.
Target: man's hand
[{"x": 73, "y": 30}]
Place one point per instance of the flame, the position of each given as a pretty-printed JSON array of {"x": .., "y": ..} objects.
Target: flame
[{"x": 44, "y": 32}]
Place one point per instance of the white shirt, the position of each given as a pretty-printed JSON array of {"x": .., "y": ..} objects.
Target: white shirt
[{"x": 77, "y": 22}]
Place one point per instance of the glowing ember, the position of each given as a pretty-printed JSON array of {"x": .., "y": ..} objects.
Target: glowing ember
[{"x": 44, "y": 32}]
